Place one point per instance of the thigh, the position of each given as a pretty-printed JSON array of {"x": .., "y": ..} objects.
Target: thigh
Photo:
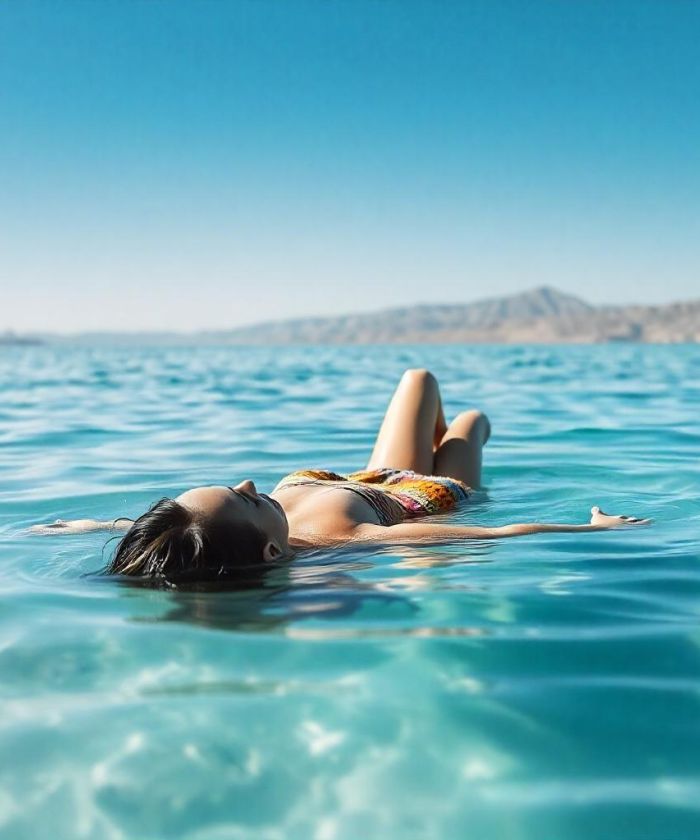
[
  {"x": 459, "y": 453},
  {"x": 406, "y": 437}
]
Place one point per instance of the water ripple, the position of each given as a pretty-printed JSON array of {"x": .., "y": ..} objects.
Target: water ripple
[{"x": 528, "y": 689}]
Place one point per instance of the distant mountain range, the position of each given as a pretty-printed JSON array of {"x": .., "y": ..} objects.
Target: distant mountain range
[
  {"x": 539, "y": 316},
  {"x": 543, "y": 315}
]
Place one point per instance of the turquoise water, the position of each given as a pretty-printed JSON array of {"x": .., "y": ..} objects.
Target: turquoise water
[{"x": 547, "y": 687}]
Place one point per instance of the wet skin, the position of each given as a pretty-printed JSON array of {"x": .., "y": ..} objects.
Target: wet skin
[
  {"x": 290, "y": 516},
  {"x": 238, "y": 504},
  {"x": 413, "y": 436}
]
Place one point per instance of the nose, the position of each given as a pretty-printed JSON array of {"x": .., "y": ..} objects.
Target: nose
[{"x": 247, "y": 486}]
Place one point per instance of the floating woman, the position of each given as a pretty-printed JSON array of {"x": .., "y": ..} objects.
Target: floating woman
[{"x": 420, "y": 466}]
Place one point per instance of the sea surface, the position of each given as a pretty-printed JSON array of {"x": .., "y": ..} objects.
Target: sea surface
[{"x": 541, "y": 688}]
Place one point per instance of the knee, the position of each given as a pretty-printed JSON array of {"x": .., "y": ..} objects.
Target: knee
[
  {"x": 418, "y": 376},
  {"x": 474, "y": 419},
  {"x": 471, "y": 415}
]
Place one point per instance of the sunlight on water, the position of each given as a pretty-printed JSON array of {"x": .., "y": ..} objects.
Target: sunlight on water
[{"x": 547, "y": 687}]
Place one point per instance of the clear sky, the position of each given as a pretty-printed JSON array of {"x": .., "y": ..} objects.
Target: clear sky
[{"x": 171, "y": 164}]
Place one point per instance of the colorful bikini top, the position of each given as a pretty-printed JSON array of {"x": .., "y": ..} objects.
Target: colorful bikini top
[{"x": 394, "y": 495}]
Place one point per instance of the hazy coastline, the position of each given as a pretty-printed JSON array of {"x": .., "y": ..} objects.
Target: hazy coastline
[{"x": 540, "y": 316}]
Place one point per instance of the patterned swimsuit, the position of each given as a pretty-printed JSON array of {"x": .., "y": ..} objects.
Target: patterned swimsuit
[{"x": 394, "y": 495}]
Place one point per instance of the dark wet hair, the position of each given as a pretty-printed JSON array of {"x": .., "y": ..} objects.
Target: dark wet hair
[{"x": 171, "y": 543}]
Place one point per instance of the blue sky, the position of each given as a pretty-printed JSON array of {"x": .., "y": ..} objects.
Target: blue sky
[{"x": 208, "y": 164}]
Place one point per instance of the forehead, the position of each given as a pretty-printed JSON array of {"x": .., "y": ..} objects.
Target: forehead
[{"x": 208, "y": 500}]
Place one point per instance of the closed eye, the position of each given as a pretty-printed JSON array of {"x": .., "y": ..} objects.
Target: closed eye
[{"x": 245, "y": 496}]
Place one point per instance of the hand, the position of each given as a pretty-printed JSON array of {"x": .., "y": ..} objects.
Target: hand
[{"x": 607, "y": 521}]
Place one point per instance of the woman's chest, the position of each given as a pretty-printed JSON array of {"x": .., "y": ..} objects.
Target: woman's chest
[{"x": 335, "y": 508}]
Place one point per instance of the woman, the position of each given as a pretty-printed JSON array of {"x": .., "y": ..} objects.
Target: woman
[{"x": 419, "y": 466}]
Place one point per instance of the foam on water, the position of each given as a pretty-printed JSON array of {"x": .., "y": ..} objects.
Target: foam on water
[{"x": 546, "y": 687}]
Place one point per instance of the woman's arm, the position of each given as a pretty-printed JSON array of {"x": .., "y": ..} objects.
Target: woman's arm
[
  {"x": 83, "y": 526},
  {"x": 425, "y": 532}
]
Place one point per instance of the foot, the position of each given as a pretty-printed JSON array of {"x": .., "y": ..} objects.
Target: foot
[{"x": 606, "y": 520}]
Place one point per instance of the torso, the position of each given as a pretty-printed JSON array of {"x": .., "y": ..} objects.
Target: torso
[
  {"x": 323, "y": 506},
  {"x": 314, "y": 511}
]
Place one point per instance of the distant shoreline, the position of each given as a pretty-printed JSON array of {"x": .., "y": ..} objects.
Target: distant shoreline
[{"x": 542, "y": 316}]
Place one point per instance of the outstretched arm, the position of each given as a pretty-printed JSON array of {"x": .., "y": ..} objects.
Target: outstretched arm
[
  {"x": 83, "y": 526},
  {"x": 425, "y": 532}
]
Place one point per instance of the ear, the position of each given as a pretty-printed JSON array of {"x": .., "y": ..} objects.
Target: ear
[{"x": 271, "y": 552}]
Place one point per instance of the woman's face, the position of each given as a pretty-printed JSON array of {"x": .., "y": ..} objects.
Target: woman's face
[{"x": 238, "y": 504}]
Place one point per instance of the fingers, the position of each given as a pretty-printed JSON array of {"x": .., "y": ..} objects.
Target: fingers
[
  {"x": 633, "y": 520},
  {"x": 599, "y": 517}
]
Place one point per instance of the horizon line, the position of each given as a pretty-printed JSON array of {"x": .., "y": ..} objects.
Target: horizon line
[{"x": 10, "y": 332}]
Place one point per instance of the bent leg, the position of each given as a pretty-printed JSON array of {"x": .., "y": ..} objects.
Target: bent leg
[
  {"x": 413, "y": 424},
  {"x": 459, "y": 453}
]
